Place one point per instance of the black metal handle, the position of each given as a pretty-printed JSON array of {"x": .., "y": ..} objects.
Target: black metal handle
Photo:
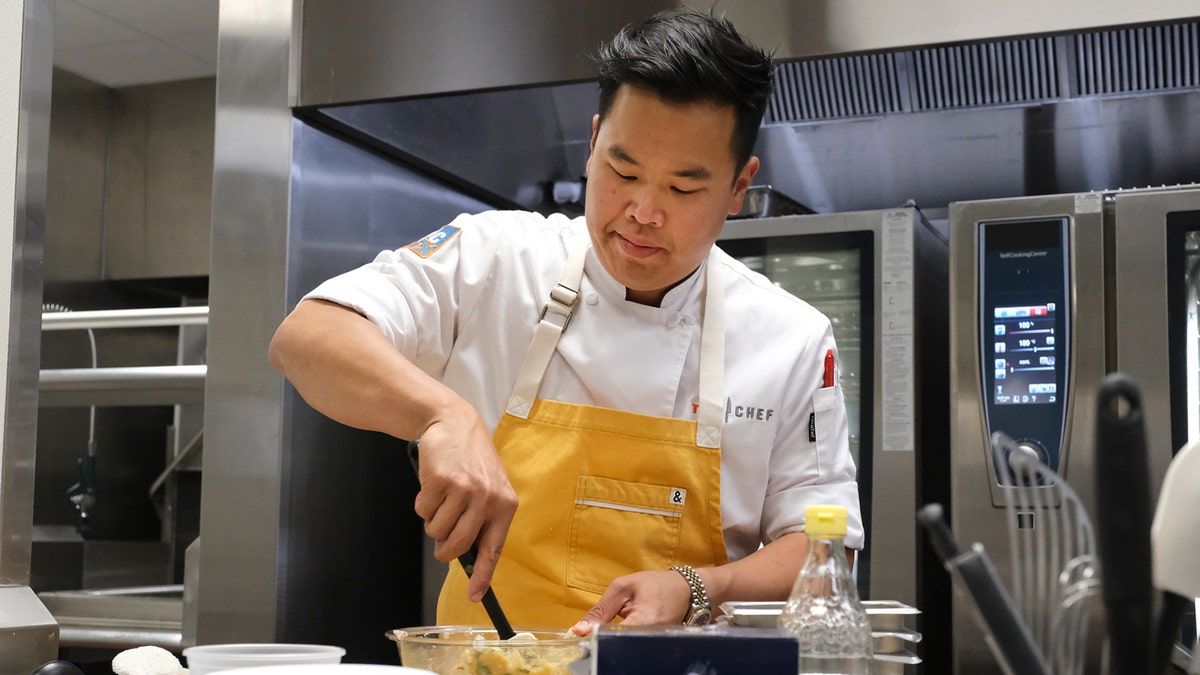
[
  {"x": 504, "y": 629},
  {"x": 1123, "y": 519},
  {"x": 977, "y": 579},
  {"x": 931, "y": 516}
]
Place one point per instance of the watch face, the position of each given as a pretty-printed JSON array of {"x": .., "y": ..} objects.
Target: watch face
[{"x": 699, "y": 616}]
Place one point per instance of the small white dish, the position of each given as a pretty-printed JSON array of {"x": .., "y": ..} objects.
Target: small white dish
[{"x": 204, "y": 659}]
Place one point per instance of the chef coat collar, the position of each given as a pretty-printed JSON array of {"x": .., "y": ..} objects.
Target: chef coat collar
[{"x": 678, "y": 299}]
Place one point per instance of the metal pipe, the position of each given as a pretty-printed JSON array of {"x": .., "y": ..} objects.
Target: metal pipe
[
  {"x": 120, "y": 637},
  {"x": 125, "y": 318},
  {"x": 132, "y": 377},
  {"x": 135, "y": 385}
]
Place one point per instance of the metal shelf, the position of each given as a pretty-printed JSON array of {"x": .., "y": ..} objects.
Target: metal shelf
[
  {"x": 123, "y": 386},
  {"x": 119, "y": 618},
  {"x": 125, "y": 318}
]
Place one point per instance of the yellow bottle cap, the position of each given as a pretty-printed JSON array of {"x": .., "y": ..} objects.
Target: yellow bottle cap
[{"x": 825, "y": 521}]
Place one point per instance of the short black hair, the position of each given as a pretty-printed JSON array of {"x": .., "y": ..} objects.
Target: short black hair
[{"x": 686, "y": 56}]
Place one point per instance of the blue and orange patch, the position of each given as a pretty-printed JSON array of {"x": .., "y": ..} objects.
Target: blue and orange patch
[{"x": 430, "y": 243}]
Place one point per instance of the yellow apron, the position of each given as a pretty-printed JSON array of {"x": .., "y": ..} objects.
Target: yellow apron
[{"x": 603, "y": 493}]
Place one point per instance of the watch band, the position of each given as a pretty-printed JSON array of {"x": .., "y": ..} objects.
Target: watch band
[{"x": 700, "y": 610}]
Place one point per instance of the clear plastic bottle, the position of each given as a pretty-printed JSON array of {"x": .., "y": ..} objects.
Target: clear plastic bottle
[{"x": 824, "y": 611}]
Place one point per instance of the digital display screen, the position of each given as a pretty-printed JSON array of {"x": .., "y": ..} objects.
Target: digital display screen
[{"x": 1025, "y": 352}]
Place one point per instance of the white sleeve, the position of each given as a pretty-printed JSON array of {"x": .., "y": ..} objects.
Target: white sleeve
[
  {"x": 415, "y": 294},
  {"x": 811, "y": 462}
]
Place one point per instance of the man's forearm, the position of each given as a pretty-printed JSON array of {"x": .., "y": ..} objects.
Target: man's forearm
[{"x": 765, "y": 575}]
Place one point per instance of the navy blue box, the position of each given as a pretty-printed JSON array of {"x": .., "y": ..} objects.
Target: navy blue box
[{"x": 708, "y": 650}]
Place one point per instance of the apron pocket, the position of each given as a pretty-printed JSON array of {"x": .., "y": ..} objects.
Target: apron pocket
[{"x": 619, "y": 527}]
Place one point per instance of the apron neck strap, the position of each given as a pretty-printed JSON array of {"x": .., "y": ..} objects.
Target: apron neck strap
[
  {"x": 712, "y": 359},
  {"x": 556, "y": 315}
]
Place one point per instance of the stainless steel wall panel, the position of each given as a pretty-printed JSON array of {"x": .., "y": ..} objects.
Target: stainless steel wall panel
[
  {"x": 348, "y": 203},
  {"x": 240, "y": 504},
  {"x": 27, "y": 117},
  {"x": 30, "y": 636}
]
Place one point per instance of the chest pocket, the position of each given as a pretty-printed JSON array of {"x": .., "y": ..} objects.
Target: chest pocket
[{"x": 619, "y": 527}]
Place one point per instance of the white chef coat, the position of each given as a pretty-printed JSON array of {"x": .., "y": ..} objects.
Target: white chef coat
[{"x": 462, "y": 304}]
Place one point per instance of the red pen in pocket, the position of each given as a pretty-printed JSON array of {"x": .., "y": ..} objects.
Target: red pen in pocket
[{"x": 826, "y": 382}]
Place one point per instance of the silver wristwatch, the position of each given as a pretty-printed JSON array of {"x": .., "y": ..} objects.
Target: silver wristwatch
[{"x": 699, "y": 611}]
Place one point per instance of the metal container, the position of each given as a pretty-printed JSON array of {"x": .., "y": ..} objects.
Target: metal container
[
  {"x": 890, "y": 636},
  {"x": 450, "y": 650},
  {"x": 885, "y": 615}
]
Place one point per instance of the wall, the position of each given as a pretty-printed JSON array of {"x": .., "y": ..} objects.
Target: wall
[
  {"x": 130, "y": 180},
  {"x": 158, "y": 212},
  {"x": 76, "y": 178}
]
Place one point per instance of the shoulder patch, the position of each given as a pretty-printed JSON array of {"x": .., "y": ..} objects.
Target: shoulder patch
[{"x": 430, "y": 243}]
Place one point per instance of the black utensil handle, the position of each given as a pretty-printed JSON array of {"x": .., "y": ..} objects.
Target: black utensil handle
[
  {"x": 932, "y": 517},
  {"x": 414, "y": 451},
  {"x": 504, "y": 630},
  {"x": 977, "y": 579},
  {"x": 999, "y": 615},
  {"x": 1123, "y": 511},
  {"x": 1166, "y": 630}
]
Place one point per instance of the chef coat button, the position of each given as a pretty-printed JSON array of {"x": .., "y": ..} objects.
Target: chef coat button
[
  {"x": 673, "y": 321},
  {"x": 592, "y": 298}
]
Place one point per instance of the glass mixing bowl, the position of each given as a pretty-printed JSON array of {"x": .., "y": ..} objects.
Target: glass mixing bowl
[{"x": 476, "y": 650}]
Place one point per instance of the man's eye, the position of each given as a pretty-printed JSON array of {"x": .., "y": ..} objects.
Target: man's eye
[
  {"x": 623, "y": 176},
  {"x": 681, "y": 191}
]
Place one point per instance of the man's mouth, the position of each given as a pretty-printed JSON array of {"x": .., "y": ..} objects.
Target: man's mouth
[{"x": 636, "y": 250}]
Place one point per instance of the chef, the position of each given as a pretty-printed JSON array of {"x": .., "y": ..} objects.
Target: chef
[{"x": 626, "y": 421}]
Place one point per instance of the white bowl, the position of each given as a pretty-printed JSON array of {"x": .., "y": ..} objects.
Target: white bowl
[
  {"x": 339, "y": 669},
  {"x": 214, "y": 658}
]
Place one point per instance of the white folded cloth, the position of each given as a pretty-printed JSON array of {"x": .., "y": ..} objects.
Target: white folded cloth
[{"x": 147, "y": 661}]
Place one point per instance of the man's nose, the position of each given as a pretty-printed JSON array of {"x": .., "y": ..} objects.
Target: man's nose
[{"x": 644, "y": 208}]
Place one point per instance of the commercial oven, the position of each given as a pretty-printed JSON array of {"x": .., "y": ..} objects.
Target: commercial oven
[
  {"x": 880, "y": 277},
  {"x": 1049, "y": 294}
]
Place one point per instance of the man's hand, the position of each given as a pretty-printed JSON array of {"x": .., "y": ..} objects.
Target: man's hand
[
  {"x": 343, "y": 366},
  {"x": 465, "y": 498},
  {"x": 640, "y": 599}
]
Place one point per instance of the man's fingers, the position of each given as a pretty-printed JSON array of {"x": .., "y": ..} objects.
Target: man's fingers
[
  {"x": 487, "y": 554},
  {"x": 605, "y": 610}
]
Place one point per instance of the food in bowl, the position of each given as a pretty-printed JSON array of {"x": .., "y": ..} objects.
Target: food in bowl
[{"x": 476, "y": 650}]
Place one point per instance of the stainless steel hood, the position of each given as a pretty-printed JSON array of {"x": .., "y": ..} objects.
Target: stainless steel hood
[
  {"x": 1090, "y": 110},
  {"x": 383, "y": 49}
]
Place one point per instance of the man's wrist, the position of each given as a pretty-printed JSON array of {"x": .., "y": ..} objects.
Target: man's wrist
[{"x": 699, "y": 610}]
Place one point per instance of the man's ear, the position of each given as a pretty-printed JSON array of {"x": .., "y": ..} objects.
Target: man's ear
[{"x": 742, "y": 183}]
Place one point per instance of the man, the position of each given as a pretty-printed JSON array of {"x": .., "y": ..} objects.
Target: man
[{"x": 658, "y": 410}]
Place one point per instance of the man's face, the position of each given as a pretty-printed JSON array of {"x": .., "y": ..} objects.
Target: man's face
[{"x": 660, "y": 185}]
